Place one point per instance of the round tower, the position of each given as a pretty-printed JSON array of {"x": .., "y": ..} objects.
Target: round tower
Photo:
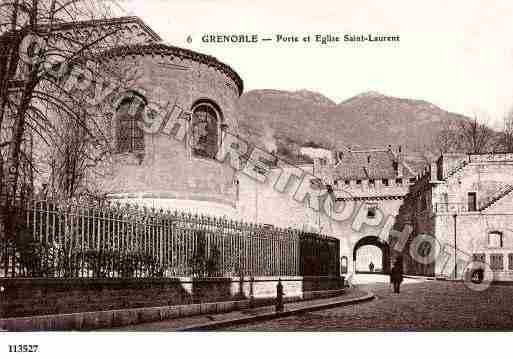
[{"x": 174, "y": 166}]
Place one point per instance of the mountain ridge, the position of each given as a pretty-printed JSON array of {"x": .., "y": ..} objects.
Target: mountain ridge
[{"x": 369, "y": 119}]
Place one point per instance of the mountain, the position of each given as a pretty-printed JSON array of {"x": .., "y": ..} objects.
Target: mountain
[{"x": 368, "y": 120}]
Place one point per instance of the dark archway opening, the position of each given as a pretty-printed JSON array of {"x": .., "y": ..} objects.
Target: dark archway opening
[{"x": 384, "y": 266}]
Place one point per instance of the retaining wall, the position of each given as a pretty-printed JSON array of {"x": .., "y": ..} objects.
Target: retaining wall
[{"x": 42, "y": 296}]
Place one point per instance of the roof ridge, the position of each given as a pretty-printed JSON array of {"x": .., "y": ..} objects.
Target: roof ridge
[{"x": 109, "y": 21}]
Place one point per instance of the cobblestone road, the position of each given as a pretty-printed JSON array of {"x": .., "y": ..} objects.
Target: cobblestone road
[{"x": 423, "y": 305}]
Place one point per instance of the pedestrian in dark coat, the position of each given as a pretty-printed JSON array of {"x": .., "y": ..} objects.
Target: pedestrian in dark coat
[{"x": 396, "y": 275}]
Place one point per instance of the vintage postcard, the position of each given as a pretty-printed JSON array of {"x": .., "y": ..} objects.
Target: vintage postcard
[{"x": 243, "y": 166}]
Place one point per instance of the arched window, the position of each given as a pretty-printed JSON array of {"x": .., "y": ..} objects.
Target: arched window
[
  {"x": 495, "y": 239},
  {"x": 206, "y": 119},
  {"x": 130, "y": 135}
]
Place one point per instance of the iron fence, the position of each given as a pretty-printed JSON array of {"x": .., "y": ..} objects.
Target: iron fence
[{"x": 119, "y": 241}]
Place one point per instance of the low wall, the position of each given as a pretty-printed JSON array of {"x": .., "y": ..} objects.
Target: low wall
[{"x": 28, "y": 297}]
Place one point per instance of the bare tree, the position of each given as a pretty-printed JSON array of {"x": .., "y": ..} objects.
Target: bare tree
[
  {"x": 475, "y": 136},
  {"x": 41, "y": 83},
  {"x": 505, "y": 141},
  {"x": 447, "y": 139}
]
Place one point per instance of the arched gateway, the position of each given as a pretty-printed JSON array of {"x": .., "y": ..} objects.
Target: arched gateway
[{"x": 374, "y": 241}]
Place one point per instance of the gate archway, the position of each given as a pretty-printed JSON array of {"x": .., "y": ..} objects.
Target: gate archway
[{"x": 374, "y": 241}]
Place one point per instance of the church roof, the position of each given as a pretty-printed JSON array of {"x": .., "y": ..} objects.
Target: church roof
[
  {"x": 164, "y": 49},
  {"x": 96, "y": 23},
  {"x": 120, "y": 21},
  {"x": 370, "y": 164}
]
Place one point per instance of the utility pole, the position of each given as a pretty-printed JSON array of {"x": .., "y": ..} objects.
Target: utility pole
[{"x": 455, "y": 248}]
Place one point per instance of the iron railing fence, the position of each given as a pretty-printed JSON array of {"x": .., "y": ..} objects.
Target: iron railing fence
[{"x": 119, "y": 241}]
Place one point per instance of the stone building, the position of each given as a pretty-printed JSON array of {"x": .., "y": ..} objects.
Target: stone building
[
  {"x": 360, "y": 197},
  {"x": 464, "y": 202},
  {"x": 151, "y": 167},
  {"x": 368, "y": 188},
  {"x": 156, "y": 169}
]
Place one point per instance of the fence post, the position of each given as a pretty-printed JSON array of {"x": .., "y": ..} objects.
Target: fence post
[{"x": 279, "y": 296}]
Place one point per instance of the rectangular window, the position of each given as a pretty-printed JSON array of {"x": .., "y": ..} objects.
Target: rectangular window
[
  {"x": 510, "y": 261},
  {"x": 347, "y": 182},
  {"x": 496, "y": 261},
  {"x": 479, "y": 257},
  {"x": 371, "y": 210},
  {"x": 472, "y": 201},
  {"x": 385, "y": 182},
  {"x": 358, "y": 181},
  {"x": 399, "y": 181},
  {"x": 495, "y": 239}
]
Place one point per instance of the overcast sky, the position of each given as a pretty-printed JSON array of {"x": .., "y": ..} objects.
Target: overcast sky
[{"x": 458, "y": 56}]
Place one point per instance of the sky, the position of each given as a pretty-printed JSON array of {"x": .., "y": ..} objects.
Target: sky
[{"x": 457, "y": 55}]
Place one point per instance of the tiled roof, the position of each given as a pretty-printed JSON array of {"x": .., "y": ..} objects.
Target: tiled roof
[
  {"x": 119, "y": 21},
  {"x": 82, "y": 24},
  {"x": 369, "y": 164}
]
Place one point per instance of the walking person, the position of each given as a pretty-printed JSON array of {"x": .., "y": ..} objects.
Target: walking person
[
  {"x": 371, "y": 267},
  {"x": 396, "y": 275}
]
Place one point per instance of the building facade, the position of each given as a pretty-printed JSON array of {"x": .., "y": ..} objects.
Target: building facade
[
  {"x": 363, "y": 198},
  {"x": 198, "y": 96},
  {"x": 464, "y": 203},
  {"x": 365, "y": 191}
]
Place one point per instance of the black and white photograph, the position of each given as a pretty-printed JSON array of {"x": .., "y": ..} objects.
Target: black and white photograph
[{"x": 230, "y": 169}]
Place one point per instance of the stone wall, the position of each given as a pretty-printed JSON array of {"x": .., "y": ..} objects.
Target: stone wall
[
  {"x": 438, "y": 206},
  {"x": 166, "y": 174},
  {"x": 29, "y": 297},
  {"x": 263, "y": 203}
]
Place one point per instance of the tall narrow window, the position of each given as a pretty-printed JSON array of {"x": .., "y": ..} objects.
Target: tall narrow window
[
  {"x": 472, "y": 201},
  {"x": 205, "y": 130},
  {"x": 130, "y": 136}
]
